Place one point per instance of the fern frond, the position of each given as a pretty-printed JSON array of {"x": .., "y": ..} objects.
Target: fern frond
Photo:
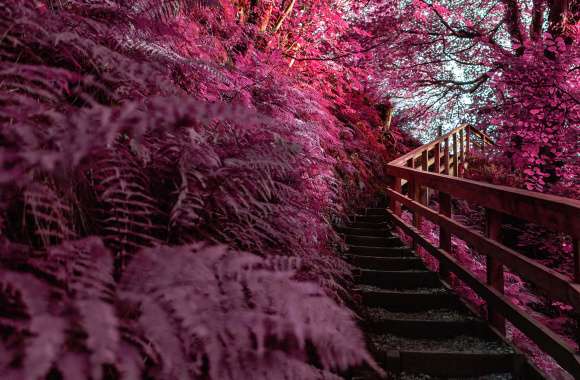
[
  {"x": 167, "y": 9},
  {"x": 129, "y": 211},
  {"x": 216, "y": 303},
  {"x": 66, "y": 308},
  {"x": 88, "y": 267},
  {"x": 112, "y": 123},
  {"x": 46, "y": 333},
  {"x": 50, "y": 215}
]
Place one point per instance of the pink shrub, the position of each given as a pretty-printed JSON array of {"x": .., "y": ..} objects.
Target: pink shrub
[{"x": 133, "y": 132}]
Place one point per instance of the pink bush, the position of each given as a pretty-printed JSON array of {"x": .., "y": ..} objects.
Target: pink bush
[{"x": 133, "y": 132}]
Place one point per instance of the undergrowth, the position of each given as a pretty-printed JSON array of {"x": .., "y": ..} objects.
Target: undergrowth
[{"x": 167, "y": 186}]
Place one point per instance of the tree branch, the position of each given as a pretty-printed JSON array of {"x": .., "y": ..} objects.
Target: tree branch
[
  {"x": 537, "y": 19},
  {"x": 513, "y": 20},
  {"x": 284, "y": 15}
]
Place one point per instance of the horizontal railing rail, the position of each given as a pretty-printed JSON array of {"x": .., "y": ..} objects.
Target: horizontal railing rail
[{"x": 432, "y": 167}]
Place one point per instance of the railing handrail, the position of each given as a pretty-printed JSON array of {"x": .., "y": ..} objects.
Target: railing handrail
[
  {"x": 556, "y": 213},
  {"x": 553, "y": 283},
  {"x": 441, "y": 139}
]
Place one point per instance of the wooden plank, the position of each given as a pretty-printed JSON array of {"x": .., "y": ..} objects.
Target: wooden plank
[
  {"x": 461, "y": 153},
  {"x": 553, "y": 283},
  {"x": 482, "y": 135},
  {"x": 409, "y": 301},
  {"x": 555, "y": 213},
  {"x": 576, "y": 247},
  {"x": 455, "y": 156},
  {"x": 414, "y": 193},
  {"x": 424, "y": 192},
  {"x": 431, "y": 162},
  {"x": 455, "y": 364},
  {"x": 411, "y": 164},
  {"x": 394, "y": 205},
  {"x": 436, "y": 158},
  {"x": 429, "y": 328},
  {"x": 467, "y": 141},
  {"x": 417, "y": 151},
  {"x": 547, "y": 340},
  {"x": 495, "y": 274},
  {"x": 444, "y": 234},
  {"x": 406, "y": 279},
  {"x": 446, "y": 157}
]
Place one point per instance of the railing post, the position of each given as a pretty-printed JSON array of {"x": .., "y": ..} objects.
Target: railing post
[
  {"x": 444, "y": 235},
  {"x": 424, "y": 191},
  {"x": 414, "y": 194},
  {"x": 467, "y": 140},
  {"x": 461, "y": 153},
  {"x": 455, "y": 157},
  {"x": 495, "y": 277},
  {"x": 446, "y": 157},
  {"x": 437, "y": 157},
  {"x": 409, "y": 164},
  {"x": 576, "y": 245},
  {"x": 394, "y": 205}
]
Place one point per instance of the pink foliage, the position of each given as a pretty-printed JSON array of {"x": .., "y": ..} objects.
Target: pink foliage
[
  {"x": 131, "y": 133},
  {"x": 147, "y": 146},
  {"x": 540, "y": 115}
]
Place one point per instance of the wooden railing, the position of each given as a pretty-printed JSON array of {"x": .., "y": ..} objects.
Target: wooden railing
[{"x": 438, "y": 166}]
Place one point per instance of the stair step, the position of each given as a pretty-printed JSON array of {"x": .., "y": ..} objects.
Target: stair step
[
  {"x": 375, "y": 211},
  {"x": 370, "y": 225},
  {"x": 380, "y": 251},
  {"x": 459, "y": 343},
  {"x": 409, "y": 301},
  {"x": 432, "y": 329},
  {"x": 386, "y": 263},
  {"x": 418, "y": 328},
  {"x": 369, "y": 218},
  {"x": 457, "y": 364},
  {"x": 432, "y": 324},
  {"x": 363, "y": 231},
  {"x": 458, "y": 356},
  {"x": 399, "y": 279},
  {"x": 378, "y": 314},
  {"x": 373, "y": 241},
  {"x": 371, "y": 375}
]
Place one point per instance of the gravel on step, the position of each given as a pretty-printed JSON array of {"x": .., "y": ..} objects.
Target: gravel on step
[
  {"x": 372, "y": 288},
  {"x": 377, "y": 314},
  {"x": 462, "y": 343},
  {"x": 499, "y": 376}
]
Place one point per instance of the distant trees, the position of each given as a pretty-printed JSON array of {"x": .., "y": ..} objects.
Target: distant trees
[{"x": 509, "y": 64}]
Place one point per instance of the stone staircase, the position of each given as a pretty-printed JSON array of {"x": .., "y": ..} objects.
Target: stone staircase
[{"x": 416, "y": 327}]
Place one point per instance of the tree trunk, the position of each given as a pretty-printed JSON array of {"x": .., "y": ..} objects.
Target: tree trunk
[
  {"x": 265, "y": 19},
  {"x": 513, "y": 20},
  {"x": 285, "y": 14},
  {"x": 537, "y": 19}
]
